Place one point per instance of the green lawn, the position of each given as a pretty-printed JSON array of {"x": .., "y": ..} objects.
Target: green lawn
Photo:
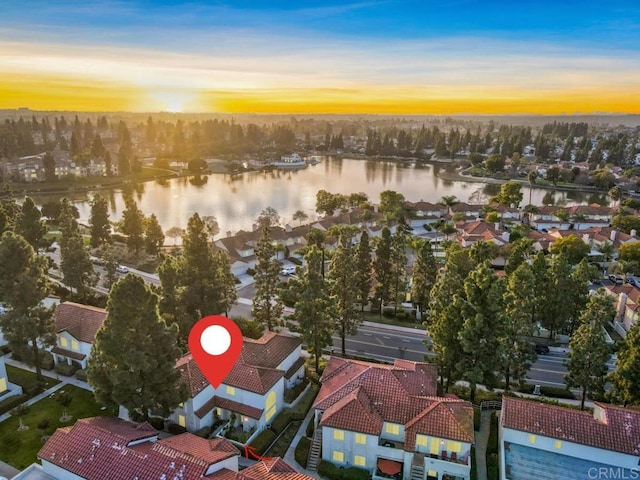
[
  {"x": 375, "y": 317},
  {"x": 25, "y": 378},
  {"x": 20, "y": 448}
]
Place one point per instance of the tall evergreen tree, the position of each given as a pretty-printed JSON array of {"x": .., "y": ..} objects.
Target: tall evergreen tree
[
  {"x": 133, "y": 224},
  {"x": 625, "y": 378},
  {"x": 382, "y": 266},
  {"x": 76, "y": 266},
  {"x": 399, "y": 244},
  {"x": 482, "y": 313},
  {"x": 425, "y": 271},
  {"x": 588, "y": 350},
  {"x": 99, "y": 221},
  {"x": 153, "y": 235},
  {"x": 314, "y": 308},
  {"x": 133, "y": 358},
  {"x": 23, "y": 286},
  {"x": 30, "y": 224},
  {"x": 169, "y": 273},
  {"x": 363, "y": 270},
  {"x": 227, "y": 281},
  {"x": 558, "y": 308},
  {"x": 267, "y": 305}
]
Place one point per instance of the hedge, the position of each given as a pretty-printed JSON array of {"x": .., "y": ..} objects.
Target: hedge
[
  {"x": 204, "y": 432},
  {"x": 156, "y": 422},
  {"x": 554, "y": 392},
  {"x": 11, "y": 402},
  {"x": 310, "y": 427},
  {"x": 263, "y": 440},
  {"x": 65, "y": 369},
  {"x": 46, "y": 358},
  {"x": 333, "y": 472},
  {"x": 81, "y": 374},
  {"x": 281, "y": 421},
  {"x": 302, "y": 451},
  {"x": 175, "y": 429}
]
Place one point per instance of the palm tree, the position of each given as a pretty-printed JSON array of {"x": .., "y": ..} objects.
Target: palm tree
[
  {"x": 616, "y": 194},
  {"x": 300, "y": 216},
  {"x": 447, "y": 228},
  {"x": 606, "y": 249},
  {"x": 532, "y": 177},
  {"x": 449, "y": 201}
]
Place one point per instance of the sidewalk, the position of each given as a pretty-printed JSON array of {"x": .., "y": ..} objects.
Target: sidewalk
[
  {"x": 289, "y": 457},
  {"x": 50, "y": 374},
  {"x": 482, "y": 438}
]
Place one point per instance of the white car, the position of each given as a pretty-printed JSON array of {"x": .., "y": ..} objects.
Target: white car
[
  {"x": 288, "y": 270},
  {"x": 122, "y": 269}
]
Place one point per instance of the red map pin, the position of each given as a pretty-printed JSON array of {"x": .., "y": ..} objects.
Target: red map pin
[{"x": 215, "y": 343}]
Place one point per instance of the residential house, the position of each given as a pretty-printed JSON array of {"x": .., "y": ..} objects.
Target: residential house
[
  {"x": 7, "y": 389},
  {"x": 627, "y": 301},
  {"x": 475, "y": 231},
  {"x": 268, "y": 469},
  {"x": 76, "y": 326},
  {"x": 252, "y": 394},
  {"x": 388, "y": 419},
  {"x": 545, "y": 218},
  {"x": 421, "y": 213},
  {"x": 469, "y": 211},
  {"x": 538, "y": 440},
  {"x": 102, "y": 447},
  {"x": 507, "y": 214}
]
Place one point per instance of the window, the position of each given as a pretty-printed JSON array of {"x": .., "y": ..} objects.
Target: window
[
  {"x": 338, "y": 434},
  {"x": 181, "y": 404},
  {"x": 454, "y": 446},
  {"x": 433, "y": 473},
  {"x": 74, "y": 345},
  {"x": 270, "y": 406},
  {"x": 360, "y": 461},
  {"x": 3, "y": 384},
  {"x": 63, "y": 342},
  {"x": 558, "y": 444},
  {"x": 422, "y": 440},
  {"x": 532, "y": 439},
  {"x": 392, "y": 428},
  {"x": 231, "y": 391},
  {"x": 338, "y": 456},
  {"x": 182, "y": 421},
  {"x": 435, "y": 447},
  {"x": 361, "y": 438}
]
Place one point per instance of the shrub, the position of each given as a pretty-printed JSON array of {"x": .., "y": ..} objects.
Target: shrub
[
  {"x": 26, "y": 356},
  {"x": 310, "y": 428},
  {"x": 281, "y": 421},
  {"x": 263, "y": 440},
  {"x": 175, "y": 429},
  {"x": 203, "y": 432},
  {"x": 302, "y": 451},
  {"x": 300, "y": 410},
  {"x": 156, "y": 422},
  {"x": 81, "y": 374},
  {"x": 554, "y": 392},
  {"x": 295, "y": 260},
  {"x": 251, "y": 271},
  {"x": 354, "y": 473},
  {"x": 291, "y": 394},
  {"x": 329, "y": 470},
  {"x": 333, "y": 472},
  {"x": 12, "y": 402},
  {"x": 65, "y": 369}
]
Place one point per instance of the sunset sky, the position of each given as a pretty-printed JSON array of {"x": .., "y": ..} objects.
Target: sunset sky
[{"x": 272, "y": 56}]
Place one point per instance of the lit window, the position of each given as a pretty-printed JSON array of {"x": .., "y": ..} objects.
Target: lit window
[
  {"x": 361, "y": 438},
  {"x": 454, "y": 446},
  {"x": 433, "y": 473},
  {"x": 392, "y": 428},
  {"x": 338, "y": 456},
  {"x": 3, "y": 384},
  {"x": 558, "y": 444},
  {"x": 181, "y": 404},
  {"x": 74, "y": 345},
  {"x": 338, "y": 434},
  {"x": 360, "y": 461},
  {"x": 231, "y": 391},
  {"x": 435, "y": 447},
  {"x": 182, "y": 421},
  {"x": 422, "y": 440},
  {"x": 532, "y": 439},
  {"x": 270, "y": 406},
  {"x": 63, "y": 342}
]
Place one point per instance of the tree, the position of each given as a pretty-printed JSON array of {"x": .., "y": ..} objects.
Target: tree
[
  {"x": 516, "y": 352},
  {"x": 267, "y": 305},
  {"x": 392, "y": 205},
  {"x": 607, "y": 250},
  {"x": 363, "y": 270},
  {"x": 615, "y": 194},
  {"x": 133, "y": 358},
  {"x": 64, "y": 399},
  {"x": 175, "y": 232},
  {"x": 211, "y": 223},
  {"x": 425, "y": 271},
  {"x": 399, "y": 243},
  {"x": 447, "y": 229},
  {"x": 481, "y": 310},
  {"x": 444, "y": 324},
  {"x": 227, "y": 281},
  {"x": 519, "y": 252},
  {"x": 572, "y": 247},
  {"x": 343, "y": 288},
  {"x": 110, "y": 267},
  {"x": 99, "y": 221},
  {"x": 76, "y": 265},
  {"x": 327, "y": 203},
  {"x": 553, "y": 175},
  {"x": 626, "y": 223},
  {"x": 588, "y": 351},
  {"x": 532, "y": 177},
  {"x": 30, "y": 224},
  {"x": 314, "y": 308},
  {"x": 383, "y": 268},
  {"x": 510, "y": 194},
  {"x": 625, "y": 378},
  {"x": 300, "y": 216},
  {"x": 449, "y": 200},
  {"x": 495, "y": 163},
  {"x": 630, "y": 252},
  {"x": 49, "y": 165},
  {"x": 153, "y": 236},
  {"x": 23, "y": 285},
  {"x": 133, "y": 224},
  {"x": 268, "y": 218}
]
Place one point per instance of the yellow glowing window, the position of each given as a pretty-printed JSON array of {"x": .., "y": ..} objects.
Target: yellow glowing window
[
  {"x": 63, "y": 342},
  {"x": 182, "y": 421},
  {"x": 435, "y": 446},
  {"x": 271, "y": 405},
  {"x": 231, "y": 391},
  {"x": 338, "y": 456},
  {"x": 361, "y": 438},
  {"x": 392, "y": 428},
  {"x": 558, "y": 444},
  {"x": 360, "y": 461},
  {"x": 532, "y": 439},
  {"x": 181, "y": 404},
  {"x": 433, "y": 473},
  {"x": 454, "y": 446},
  {"x": 3, "y": 384},
  {"x": 338, "y": 434},
  {"x": 422, "y": 440},
  {"x": 74, "y": 345}
]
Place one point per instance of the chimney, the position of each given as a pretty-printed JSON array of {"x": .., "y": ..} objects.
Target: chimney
[
  {"x": 633, "y": 233},
  {"x": 229, "y": 234},
  {"x": 612, "y": 236},
  {"x": 497, "y": 226}
]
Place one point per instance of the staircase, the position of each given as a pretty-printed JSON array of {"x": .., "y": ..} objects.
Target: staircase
[
  {"x": 315, "y": 450},
  {"x": 417, "y": 472}
]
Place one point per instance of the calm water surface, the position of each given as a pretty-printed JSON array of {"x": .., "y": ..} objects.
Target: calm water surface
[{"x": 237, "y": 200}]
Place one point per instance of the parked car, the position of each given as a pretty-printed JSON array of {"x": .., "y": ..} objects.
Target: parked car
[
  {"x": 617, "y": 279},
  {"x": 541, "y": 349},
  {"x": 288, "y": 270},
  {"x": 632, "y": 281},
  {"x": 122, "y": 269}
]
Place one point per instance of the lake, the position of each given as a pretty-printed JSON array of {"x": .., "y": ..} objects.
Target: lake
[{"x": 236, "y": 200}]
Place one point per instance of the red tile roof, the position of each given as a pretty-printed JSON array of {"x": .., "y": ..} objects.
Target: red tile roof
[
  {"x": 230, "y": 405},
  {"x": 272, "y": 469},
  {"x": 609, "y": 427},
  {"x": 361, "y": 396},
  {"x": 81, "y": 321},
  {"x": 68, "y": 353},
  {"x": 212, "y": 451}
]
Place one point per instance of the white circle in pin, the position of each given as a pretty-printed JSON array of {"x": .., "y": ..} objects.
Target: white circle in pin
[{"x": 215, "y": 340}]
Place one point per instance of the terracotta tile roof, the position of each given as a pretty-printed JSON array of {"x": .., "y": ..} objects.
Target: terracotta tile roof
[
  {"x": 256, "y": 367},
  {"x": 272, "y": 469},
  {"x": 68, "y": 353},
  {"x": 465, "y": 207},
  {"x": 211, "y": 451},
  {"x": 444, "y": 418},
  {"x": 359, "y": 396},
  {"x": 609, "y": 427},
  {"x": 81, "y": 321},
  {"x": 230, "y": 405}
]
